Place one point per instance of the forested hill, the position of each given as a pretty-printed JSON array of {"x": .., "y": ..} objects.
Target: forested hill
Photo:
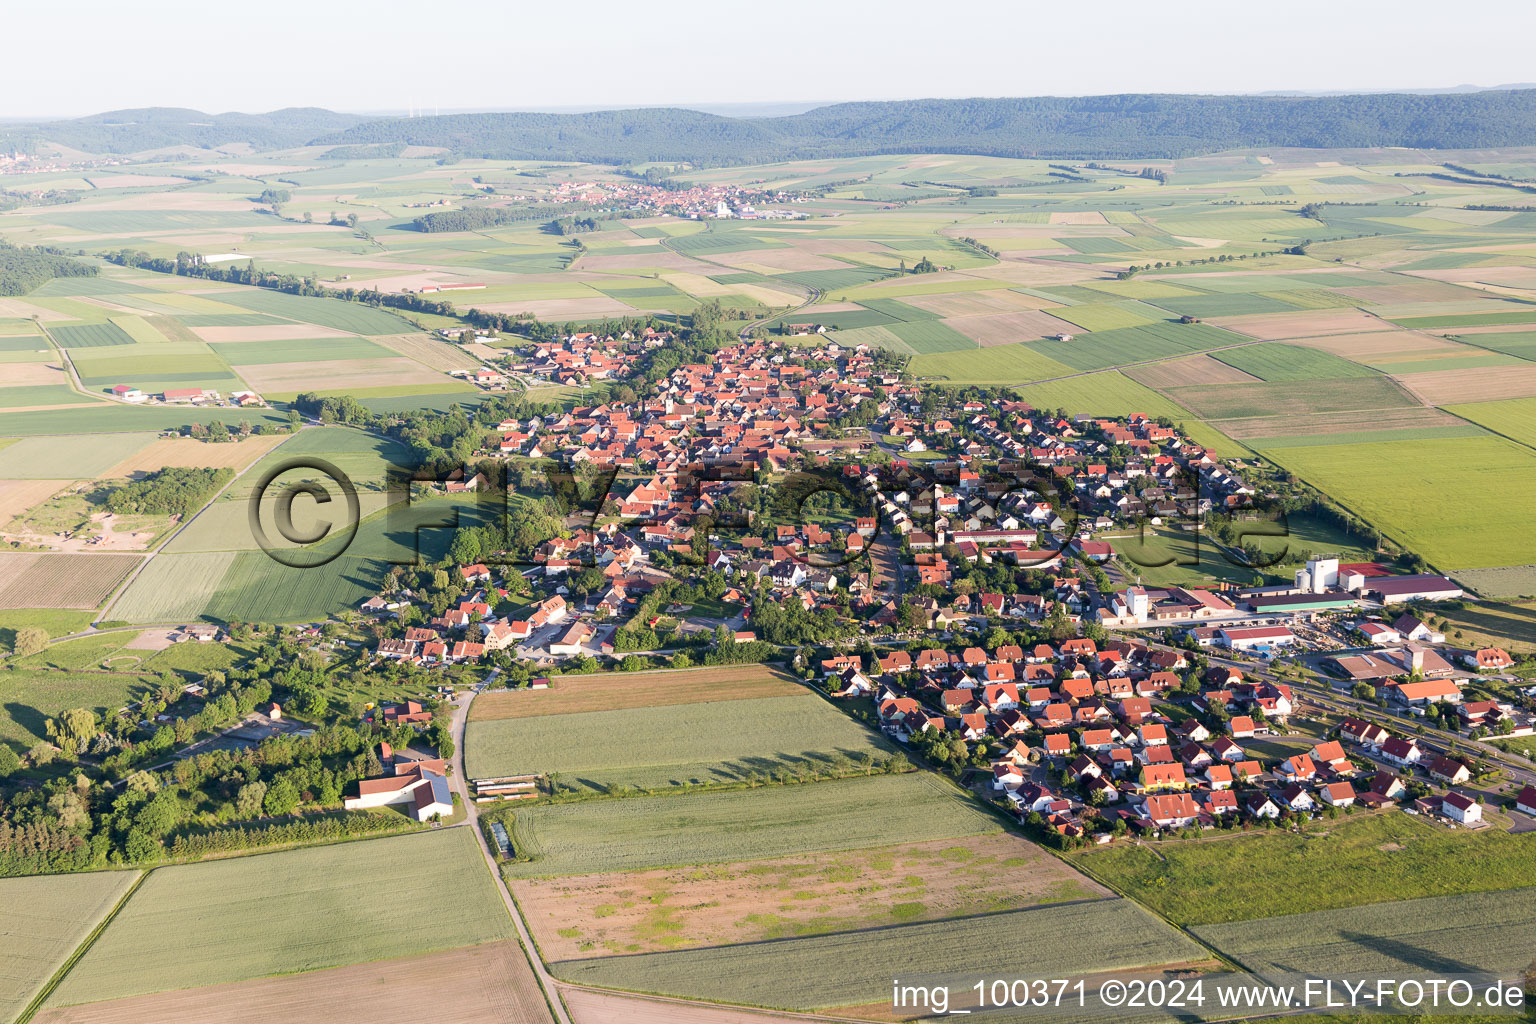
[
  {"x": 145, "y": 128},
  {"x": 1124, "y": 126}
]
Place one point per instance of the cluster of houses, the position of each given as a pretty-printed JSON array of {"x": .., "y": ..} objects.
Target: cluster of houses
[
  {"x": 692, "y": 201},
  {"x": 186, "y": 396},
  {"x": 1083, "y": 734}
]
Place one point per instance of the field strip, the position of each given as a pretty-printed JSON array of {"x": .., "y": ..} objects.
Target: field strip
[
  {"x": 80, "y": 951},
  {"x": 123, "y": 587}
]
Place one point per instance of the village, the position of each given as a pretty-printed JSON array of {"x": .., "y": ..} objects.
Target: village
[{"x": 984, "y": 602}]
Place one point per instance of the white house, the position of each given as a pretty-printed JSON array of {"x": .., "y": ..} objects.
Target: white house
[
  {"x": 421, "y": 785},
  {"x": 1461, "y": 808}
]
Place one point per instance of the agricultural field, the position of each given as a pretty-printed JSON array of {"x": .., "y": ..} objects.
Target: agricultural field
[
  {"x": 1369, "y": 859},
  {"x": 224, "y": 921},
  {"x": 1417, "y": 492},
  {"x": 1490, "y": 932},
  {"x": 47, "y": 918},
  {"x": 606, "y": 691},
  {"x": 675, "y": 745},
  {"x": 490, "y": 982},
  {"x": 59, "y": 580},
  {"x": 853, "y": 968},
  {"x": 712, "y": 827},
  {"x": 790, "y": 897}
]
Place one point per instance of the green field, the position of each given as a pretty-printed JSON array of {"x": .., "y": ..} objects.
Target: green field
[
  {"x": 353, "y": 317},
  {"x": 1001, "y": 364},
  {"x": 1378, "y": 858},
  {"x": 1460, "y": 502},
  {"x": 930, "y": 336},
  {"x": 102, "y": 335},
  {"x": 308, "y": 350},
  {"x": 77, "y": 456},
  {"x": 46, "y": 919},
  {"x": 851, "y": 968},
  {"x": 1273, "y": 361},
  {"x": 1515, "y": 418},
  {"x": 720, "y": 741},
  {"x": 1135, "y": 344},
  {"x": 1236, "y": 401},
  {"x": 281, "y": 913},
  {"x": 738, "y": 824},
  {"x": 1492, "y": 932},
  {"x": 1526, "y": 315}
]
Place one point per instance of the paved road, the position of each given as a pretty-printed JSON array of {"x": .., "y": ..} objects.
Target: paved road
[{"x": 460, "y": 785}]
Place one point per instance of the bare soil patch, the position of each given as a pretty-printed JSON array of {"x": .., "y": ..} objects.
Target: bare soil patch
[
  {"x": 563, "y": 309},
  {"x": 268, "y": 332},
  {"x": 1336, "y": 422},
  {"x": 1448, "y": 387},
  {"x": 488, "y": 984},
  {"x": 754, "y": 901},
  {"x": 430, "y": 351},
  {"x": 1194, "y": 370},
  {"x": 18, "y": 375},
  {"x": 187, "y": 451},
  {"x": 569, "y": 695},
  {"x": 150, "y": 640},
  {"x": 1007, "y": 328},
  {"x": 1078, "y": 217},
  {"x": 997, "y": 300},
  {"x": 18, "y": 496},
  {"x": 587, "y": 1007},
  {"x": 1303, "y": 324},
  {"x": 334, "y": 374},
  {"x": 1377, "y": 343}
]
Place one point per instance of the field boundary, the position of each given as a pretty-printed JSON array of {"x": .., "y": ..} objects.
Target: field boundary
[{"x": 90, "y": 940}]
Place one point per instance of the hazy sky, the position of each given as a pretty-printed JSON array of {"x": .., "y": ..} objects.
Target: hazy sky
[{"x": 385, "y": 55}]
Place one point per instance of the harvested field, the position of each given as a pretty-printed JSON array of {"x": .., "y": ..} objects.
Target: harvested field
[
  {"x": 1377, "y": 344},
  {"x": 1408, "y": 418},
  {"x": 1187, "y": 372},
  {"x": 1449, "y": 387},
  {"x": 565, "y": 309},
  {"x": 221, "y": 921},
  {"x": 54, "y": 580},
  {"x": 615, "y": 690},
  {"x": 487, "y": 984},
  {"x": 279, "y": 378},
  {"x": 18, "y": 496},
  {"x": 1464, "y": 934},
  {"x": 675, "y": 745},
  {"x": 265, "y": 332},
  {"x": 1077, "y": 217},
  {"x": 46, "y": 919},
  {"x": 187, "y": 451},
  {"x": 759, "y": 900},
  {"x": 732, "y": 825},
  {"x": 850, "y": 968},
  {"x": 430, "y": 351},
  {"x": 1304, "y": 324},
  {"x": 1007, "y": 328},
  {"x": 588, "y": 1007},
  {"x": 19, "y": 375},
  {"x": 965, "y": 304}
]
